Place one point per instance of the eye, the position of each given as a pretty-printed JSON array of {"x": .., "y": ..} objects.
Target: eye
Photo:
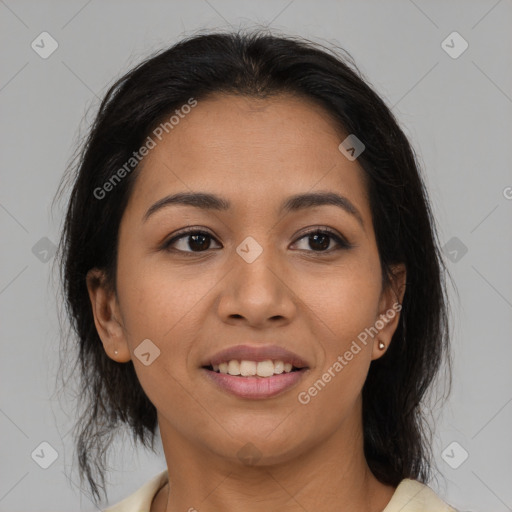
[
  {"x": 190, "y": 241},
  {"x": 320, "y": 239},
  {"x": 194, "y": 240}
]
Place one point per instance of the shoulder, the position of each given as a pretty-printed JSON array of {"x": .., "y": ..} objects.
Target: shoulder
[
  {"x": 413, "y": 496},
  {"x": 140, "y": 500},
  {"x": 409, "y": 496}
]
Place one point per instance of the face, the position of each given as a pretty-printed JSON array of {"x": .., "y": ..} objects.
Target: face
[{"x": 258, "y": 278}]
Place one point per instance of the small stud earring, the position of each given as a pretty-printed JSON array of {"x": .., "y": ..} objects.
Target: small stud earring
[
  {"x": 115, "y": 352},
  {"x": 382, "y": 346}
]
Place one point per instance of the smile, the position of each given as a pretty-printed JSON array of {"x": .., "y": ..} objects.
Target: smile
[
  {"x": 254, "y": 371},
  {"x": 244, "y": 368},
  {"x": 254, "y": 380}
]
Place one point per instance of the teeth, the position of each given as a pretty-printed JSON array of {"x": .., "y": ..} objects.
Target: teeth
[
  {"x": 278, "y": 367},
  {"x": 234, "y": 367},
  {"x": 265, "y": 368},
  {"x": 247, "y": 368},
  {"x": 251, "y": 368}
]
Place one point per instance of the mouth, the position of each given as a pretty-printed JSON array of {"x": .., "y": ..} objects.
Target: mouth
[
  {"x": 255, "y": 372},
  {"x": 261, "y": 369}
]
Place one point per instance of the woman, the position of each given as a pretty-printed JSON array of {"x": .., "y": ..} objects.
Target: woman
[{"x": 251, "y": 265}]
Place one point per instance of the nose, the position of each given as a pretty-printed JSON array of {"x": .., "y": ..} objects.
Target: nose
[{"x": 257, "y": 292}]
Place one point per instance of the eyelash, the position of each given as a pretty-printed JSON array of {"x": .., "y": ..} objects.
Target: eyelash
[{"x": 340, "y": 241}]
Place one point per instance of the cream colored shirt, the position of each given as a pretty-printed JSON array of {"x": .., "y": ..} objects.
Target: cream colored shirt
[{"x": 409, "y": 496}]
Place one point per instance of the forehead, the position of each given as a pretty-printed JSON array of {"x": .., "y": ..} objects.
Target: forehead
[{"x": 249, "y": 149}]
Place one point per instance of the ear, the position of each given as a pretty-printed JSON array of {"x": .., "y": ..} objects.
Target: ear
[
  {"x": 390, "y": 305},
  {"x": 105, "y": 310}
]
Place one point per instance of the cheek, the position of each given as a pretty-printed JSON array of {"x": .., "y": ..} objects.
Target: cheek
[
  {"x": 344, "y": 309},
  {"x": 159, "y": 307},
  {"x": 343, "y": 312},
  {"x": 159, "y": 301},
  {"x": 166, "y": 306},
  {"x": 344, "y": 305}
]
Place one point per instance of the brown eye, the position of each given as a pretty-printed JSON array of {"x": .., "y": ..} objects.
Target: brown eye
[
  {"x": 190, "y": 242},
  {"x": 322, "y": 240},
  {"x": 319, "y": 241},
  {"x": 200, "y": 242}
]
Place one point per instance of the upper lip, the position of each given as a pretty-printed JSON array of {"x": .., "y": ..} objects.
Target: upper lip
[{"x": 259, "y": 353}]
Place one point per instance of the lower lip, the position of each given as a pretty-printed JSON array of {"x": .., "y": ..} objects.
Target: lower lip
[{"x": 255, "y": 387}]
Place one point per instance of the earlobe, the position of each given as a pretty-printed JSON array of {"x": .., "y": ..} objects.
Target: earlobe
[
  {"x": 106, "y": 316},
  {"x": 390, "y": 307},
  {"x": 379, "y": 348}
]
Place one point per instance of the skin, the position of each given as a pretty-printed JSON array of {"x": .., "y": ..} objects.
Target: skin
[{"x": 255, "y": 153}]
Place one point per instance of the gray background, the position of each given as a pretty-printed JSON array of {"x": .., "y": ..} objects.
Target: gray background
[{"x": 457, "y": 112}]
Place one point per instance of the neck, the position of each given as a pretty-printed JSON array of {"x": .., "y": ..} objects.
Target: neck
[{"x": 330, "y": 477}]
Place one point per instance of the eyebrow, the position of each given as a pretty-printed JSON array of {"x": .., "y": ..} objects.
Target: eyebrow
[{"x": 207, "y": 201}]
